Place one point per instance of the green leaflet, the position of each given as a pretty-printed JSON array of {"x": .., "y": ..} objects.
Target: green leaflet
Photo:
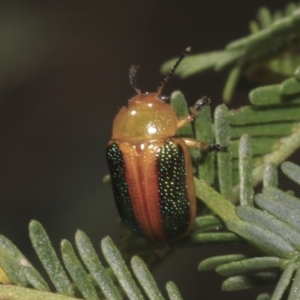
[
  {"x": 85, "y": 284},
  {"x": 270, "y": 46},
  {"x": 273, "y": 228},
  {"x": 49, "y": 259}
]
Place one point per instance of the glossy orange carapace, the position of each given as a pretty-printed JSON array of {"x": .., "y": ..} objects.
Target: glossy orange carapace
[{"x": 151, "y": 168}]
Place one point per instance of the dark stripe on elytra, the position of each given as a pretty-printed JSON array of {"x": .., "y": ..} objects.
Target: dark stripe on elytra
[
  {"x": 173, "y": 195},
  {"x": 117, "y": 166}
]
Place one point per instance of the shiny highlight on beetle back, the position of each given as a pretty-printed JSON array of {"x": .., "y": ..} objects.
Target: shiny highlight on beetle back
[{"x": 146, "y": 117}]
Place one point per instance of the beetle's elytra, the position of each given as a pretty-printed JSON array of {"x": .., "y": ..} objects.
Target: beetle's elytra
[{"x": 150, "y": 167}]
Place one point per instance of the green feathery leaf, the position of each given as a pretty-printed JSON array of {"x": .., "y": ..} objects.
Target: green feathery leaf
[
  {"x": 85, "y": 285},
  {"x": 272, "y": 47},
  {"x": 273, "y": 228},
  {"x": 49, "y": 259}
]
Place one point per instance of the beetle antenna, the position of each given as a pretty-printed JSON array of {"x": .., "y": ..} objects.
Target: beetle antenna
[
  {"x": 170, "y": 74},
  {"x": 132, "y": 79}
]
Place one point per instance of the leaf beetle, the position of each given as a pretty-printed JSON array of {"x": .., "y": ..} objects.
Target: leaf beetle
[{"x": 150, "y": 168}]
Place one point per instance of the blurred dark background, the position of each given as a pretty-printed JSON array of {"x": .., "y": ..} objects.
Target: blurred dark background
[{"x": 63, "y": 76}]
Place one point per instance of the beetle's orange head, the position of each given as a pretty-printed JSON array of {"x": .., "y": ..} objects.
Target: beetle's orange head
[{"x": 147, "y": 116}]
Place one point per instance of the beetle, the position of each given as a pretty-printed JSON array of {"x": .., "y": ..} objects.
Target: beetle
[{"x": 150, "y": 168}]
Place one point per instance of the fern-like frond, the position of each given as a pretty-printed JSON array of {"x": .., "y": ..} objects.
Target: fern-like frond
[
  {"x": 89, "y": 278},
  {"x": 268, "y": 54},
  {"x": 273, "y": 228}
]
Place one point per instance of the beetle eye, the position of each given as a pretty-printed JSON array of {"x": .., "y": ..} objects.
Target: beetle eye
[{"x": 164, "y": 98}]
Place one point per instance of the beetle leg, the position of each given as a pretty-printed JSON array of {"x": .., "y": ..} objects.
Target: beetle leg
[
  {"x": 185, "y": 120},
  {"x": 201, "y": 145},
  {"x": 216, "y": 147},
  {"x": 189, "y": 118}
]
